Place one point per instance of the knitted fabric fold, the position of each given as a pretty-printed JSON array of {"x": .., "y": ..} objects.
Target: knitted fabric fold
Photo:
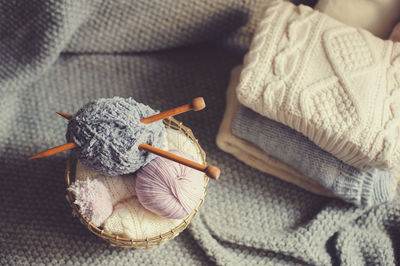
[
  {"x": 362, "y": 188},
  {"x": 335, "y": 84},
  {"x": 253, "y": 155}
]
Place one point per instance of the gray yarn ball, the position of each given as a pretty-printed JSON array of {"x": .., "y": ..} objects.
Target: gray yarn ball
[{"x": 108, "y": 133}]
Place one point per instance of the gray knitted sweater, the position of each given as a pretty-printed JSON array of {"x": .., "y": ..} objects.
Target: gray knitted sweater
[{"x": 59, "y": 55}]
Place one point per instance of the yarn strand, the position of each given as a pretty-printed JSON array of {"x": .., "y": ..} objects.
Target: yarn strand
[{"x": 169, "y": 189}]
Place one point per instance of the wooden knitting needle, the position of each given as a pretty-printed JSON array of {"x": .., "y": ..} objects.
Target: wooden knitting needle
[
  {"x": 58, "y": 149},
  {"x": 54, "y": 150},
  {"x": 197, "y": 104},
  {"x": 211, "y": 171}
]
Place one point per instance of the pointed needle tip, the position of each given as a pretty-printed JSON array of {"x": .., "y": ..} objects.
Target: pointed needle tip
[
  {"x": 66, "y": 116},
  {"x": 33, "y": 157}
]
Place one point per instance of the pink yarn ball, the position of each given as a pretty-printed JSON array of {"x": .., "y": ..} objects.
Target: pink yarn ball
[
  {"x": 169, "y": 189},
  {"x": 93, "y": 199}
]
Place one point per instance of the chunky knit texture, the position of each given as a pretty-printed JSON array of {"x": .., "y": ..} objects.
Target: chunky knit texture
[
  {"x": 108, "y": 133},
  {"x": 248, "y": 217},
  {"x": 336, "y": 84}
]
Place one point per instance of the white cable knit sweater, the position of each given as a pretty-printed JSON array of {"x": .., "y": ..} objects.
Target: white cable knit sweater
[{"x": 336, "y": 84}]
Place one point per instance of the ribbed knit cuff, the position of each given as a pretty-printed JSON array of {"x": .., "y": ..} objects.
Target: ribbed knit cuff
[
  {"x": 383, "y": 189},
  {"x": 367, "y": 190}
]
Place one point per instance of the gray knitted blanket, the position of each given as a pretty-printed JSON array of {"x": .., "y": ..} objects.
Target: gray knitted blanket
[{"x": 58, "y": 55}]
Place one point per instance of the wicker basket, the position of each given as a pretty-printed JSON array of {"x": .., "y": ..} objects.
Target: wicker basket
[{"x": 150, "y": 241}]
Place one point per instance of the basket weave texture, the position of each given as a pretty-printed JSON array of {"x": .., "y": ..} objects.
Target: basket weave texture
[{"x": 149, "y": 241}]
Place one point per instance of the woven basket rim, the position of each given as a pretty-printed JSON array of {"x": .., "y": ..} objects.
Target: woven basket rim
[{"x": 149, "y": 241}]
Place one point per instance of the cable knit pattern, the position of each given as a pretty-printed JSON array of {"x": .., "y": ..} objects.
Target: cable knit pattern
[
  {"x": 252, "y": 154},
  {"x": 335, "y": 84}
]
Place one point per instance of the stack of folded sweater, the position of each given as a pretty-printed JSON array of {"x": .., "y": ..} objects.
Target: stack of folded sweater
[{"x": 319, "y": 106}]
